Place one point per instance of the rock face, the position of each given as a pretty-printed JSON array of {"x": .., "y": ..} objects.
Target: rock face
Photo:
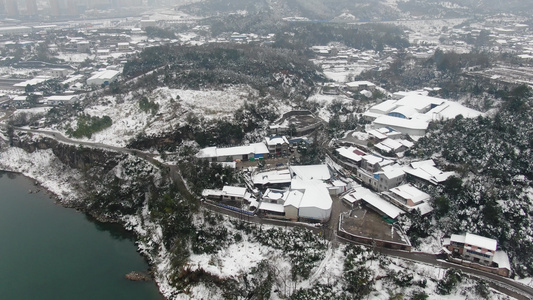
[
  {"x": 138, "y": 276},
  {"x": 73, "y": 156}
]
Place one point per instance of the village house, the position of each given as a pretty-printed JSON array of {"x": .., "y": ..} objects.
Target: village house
[
  {"x": 230, "y": 194},
  {"x": 277, "y": 145},
  {"x": 365, "y": 197},
  {"x": 473, "y": 247},
  {"x": 274, "y": 179},
  {"x": 425, "y": 171},
  {"x": 351, "y": 155},
  {"x": 481, "y": 251},
  {"x": 239, "y": 153},
  {"x": 61, "y": 99},
  {"x": 306, "y": 200},
  {"x": 408, "y": 198},
  {"x": 103, "y": 77},
  {"x": 357, "y": 86},
  {"x": 20, "y": 101}
]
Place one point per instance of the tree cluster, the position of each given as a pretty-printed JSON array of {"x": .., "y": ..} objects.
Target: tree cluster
[{"x": 87, "y": 125}]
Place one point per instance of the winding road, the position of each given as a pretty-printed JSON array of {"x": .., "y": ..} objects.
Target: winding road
[{"x": 505, "y": 285}]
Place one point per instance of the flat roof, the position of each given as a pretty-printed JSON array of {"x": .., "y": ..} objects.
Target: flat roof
[
  {"x": 234, "y": 191},
  {"x": 106, "y": 74},
  {"x": 392, "y": 171},
  {"x": 312, "y": 172},
  {"x": 273, "y": 177},
  {"x": 294, "y": 198},
  {"x": 458, "y": 238}
]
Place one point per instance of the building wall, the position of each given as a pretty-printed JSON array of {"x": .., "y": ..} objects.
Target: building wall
[
  {"x": 291, "y": 212},
  {"x": 314, "y": 213}
]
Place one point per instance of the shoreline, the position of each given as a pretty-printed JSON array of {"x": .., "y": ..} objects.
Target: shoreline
[{"x": 131, "y": 234}]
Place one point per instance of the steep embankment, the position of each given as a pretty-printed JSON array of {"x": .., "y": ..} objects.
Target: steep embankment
[{"x": 111, "y": 186}]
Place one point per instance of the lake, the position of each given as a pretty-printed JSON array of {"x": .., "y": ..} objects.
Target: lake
[{"x": 51, "y": 252}]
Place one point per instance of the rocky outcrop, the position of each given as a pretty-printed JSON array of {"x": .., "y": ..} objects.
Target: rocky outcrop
[
  {"x": 138, "y": 276},
  {"x": 76, "y": 157}
]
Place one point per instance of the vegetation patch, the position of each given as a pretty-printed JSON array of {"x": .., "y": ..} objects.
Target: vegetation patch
[{"x": 87, "y": 125}]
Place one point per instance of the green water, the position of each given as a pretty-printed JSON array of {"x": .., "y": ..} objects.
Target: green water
[{"x": 51, "y": 252}]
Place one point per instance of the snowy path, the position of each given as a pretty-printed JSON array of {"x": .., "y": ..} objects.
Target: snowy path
[{"x": 313, "y": 279}]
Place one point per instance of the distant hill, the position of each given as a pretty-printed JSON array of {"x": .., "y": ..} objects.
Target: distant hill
[{"x": 362, "y": 10}]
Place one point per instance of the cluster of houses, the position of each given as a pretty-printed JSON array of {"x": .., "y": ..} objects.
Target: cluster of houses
[
  {"x": 273, "y": 146},
  {"x": 296, "y": 193},
  {"x": 385, "y": 188},
  {"x": 411, "y": 112}
]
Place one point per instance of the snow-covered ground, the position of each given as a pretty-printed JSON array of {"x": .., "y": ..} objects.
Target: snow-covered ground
[
  {"x": 44, "y": 167},
  {"x": 174, "y": 105},
  {"x": 74, "y": 57}
]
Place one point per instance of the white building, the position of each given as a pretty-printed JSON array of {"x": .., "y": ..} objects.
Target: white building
[
  {"x": 412, "y": 112},
  {"x": 59, "y": 73},
  {"x": 373, "y": 201},
  {"x": 281, "y": 178},
  {"x": 277, "y": 145},
  {"x": 306, "y": 200},
  {"x": 311, "y": 172},
  {"x": 16, "y": 30},
  {"x": 408, "y": 198},
  {"x": 426, "y": 170},
  {"x": 61, "y": 99},
  {"x": 123, "y": 46},
  {"x": 356, "y": 86},
  {"x": 148, "y": 23},
  {"x": 83, "y": 46},
  {"x": 240, "y": 153},
  {"x": 103, "y": 77}
]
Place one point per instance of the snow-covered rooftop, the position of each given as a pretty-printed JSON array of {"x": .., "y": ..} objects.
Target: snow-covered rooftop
[
  {"x": 294, "y": 198},
  {"x": 458, "y": 238},
  {"x": 481, "y": 241},
  {"x": 272, "y": 177},
  {"x": 501, "y": 258},
  {"x": 234, "y": 191},
  {"x": 361, "y": 193},
  {"x": 209, "y": 152},
  {"x": 426, "y": 170},
  {"x": 393, "y": 171},
  {"x": 105, "y": 74},
  {"x": 272, "y": 141},
  {"x": 352, "y": 153},
  {"x": 407, "y": 191},
  {"x": 316, "y": 194},
  {"x": 385, "y": 121},
  {"x": 372, "y": 159},
  {"x": 278, "y": 208},
  {"x": 313, "y": 172}
]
